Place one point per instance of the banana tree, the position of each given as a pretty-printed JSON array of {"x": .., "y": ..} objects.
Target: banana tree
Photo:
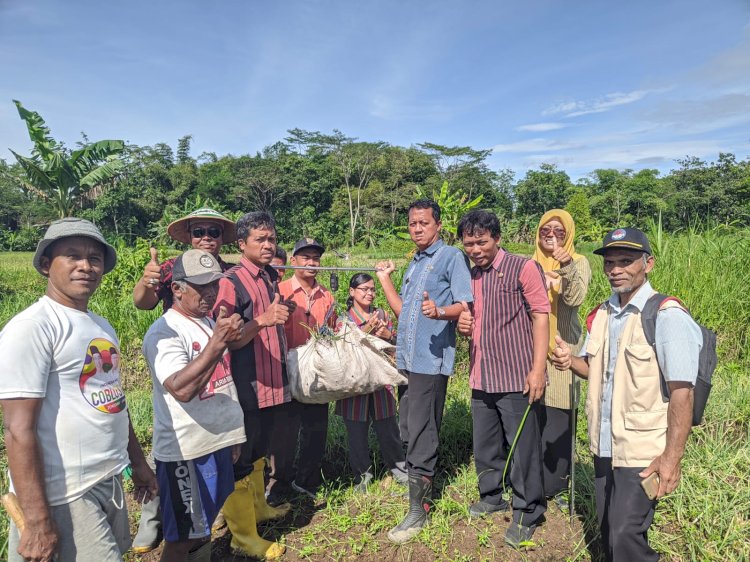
[{"x": 61, "y": 177}]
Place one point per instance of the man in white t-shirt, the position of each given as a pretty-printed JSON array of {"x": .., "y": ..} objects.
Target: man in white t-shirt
[
  {"x": 198, "y": 420},
  {"x": 67, "y": 429}
]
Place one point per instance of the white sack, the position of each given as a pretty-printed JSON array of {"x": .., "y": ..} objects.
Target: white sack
[{"x": 349, "y": 364}]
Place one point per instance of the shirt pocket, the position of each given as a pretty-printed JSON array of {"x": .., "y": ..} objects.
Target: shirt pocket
[
  {"x": 593, "y": 347},
  {"x": 638, "y": 358}
]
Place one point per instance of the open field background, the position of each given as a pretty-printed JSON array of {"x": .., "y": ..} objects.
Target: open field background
[{"x": 707, "y": 518}]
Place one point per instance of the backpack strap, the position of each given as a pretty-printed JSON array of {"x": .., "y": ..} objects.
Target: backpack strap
[
  {"x": 591, "y": 315},
  {"x": 651, "y": 309}
]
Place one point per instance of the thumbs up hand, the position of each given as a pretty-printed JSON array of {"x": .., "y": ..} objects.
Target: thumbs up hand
[
  {"x": 560, "y": 253},
  {"x": 465, "y": 325},
  {"x": 561, "y": 356},
  {"x": 276, "y": 313},
  {"x": 228, "y": 328},
  {"x": 152, "y": 271},
  {"x": 429, "y": 308}
]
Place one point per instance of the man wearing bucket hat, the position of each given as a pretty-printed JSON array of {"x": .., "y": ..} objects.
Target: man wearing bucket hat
[
  {"x": 67, "y": 429},
  {"x": 198, "y": 420},
  {"x": 204, "y": 229},
  {"x": 636, "y": 429}
]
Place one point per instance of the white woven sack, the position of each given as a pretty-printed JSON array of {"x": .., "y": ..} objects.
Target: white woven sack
[{"x": 349, "y": 364}]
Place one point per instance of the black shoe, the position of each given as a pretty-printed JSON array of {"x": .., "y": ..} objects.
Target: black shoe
[
  {"x": 482, "y": 508},
  {"x": 518, "y": 535}
]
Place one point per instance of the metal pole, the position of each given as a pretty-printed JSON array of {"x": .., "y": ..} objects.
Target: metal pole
[
  {"x": 573, "y": 423},
  {"x": 325, "y": 268}
]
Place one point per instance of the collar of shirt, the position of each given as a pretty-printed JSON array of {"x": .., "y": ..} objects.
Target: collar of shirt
[
  {"x": 476, "y": 270},
  {"x": 430, "y": 250},
  {"x": 297, "y": 286},
  {"x": 638, "y": 301}
]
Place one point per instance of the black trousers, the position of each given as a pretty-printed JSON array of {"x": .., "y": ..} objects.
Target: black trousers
[
  {"x": 282, "y": 446},
  {"x": 422, "y": 407},
  {"x": 313, "y": 432},
  {"x": 358, "y": 433},
  {"x": 260, "y": 424},
  {"x": 497, "y": 418},
  {"x": 624, "y": 512},
  {"x": 556, "y": 431}
]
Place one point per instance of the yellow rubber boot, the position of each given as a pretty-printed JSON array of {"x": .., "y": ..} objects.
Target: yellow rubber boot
[
  {"x": 239, "y": 512},
  {"x": 263, "y": 511}
]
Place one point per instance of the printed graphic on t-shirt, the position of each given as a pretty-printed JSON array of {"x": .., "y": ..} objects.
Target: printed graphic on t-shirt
[
  {"x": 100, "y": 377},
  {"x": 221, "y": 377}
]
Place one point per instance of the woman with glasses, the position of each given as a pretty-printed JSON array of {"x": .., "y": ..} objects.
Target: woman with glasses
[
  {"x": 378, "y": 407},
  {"x": 204, "y": 229},
  {"x": 567, "y": 276}
]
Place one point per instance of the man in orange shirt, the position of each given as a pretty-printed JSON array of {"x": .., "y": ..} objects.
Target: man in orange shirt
[{"x": 315, "y": 308}]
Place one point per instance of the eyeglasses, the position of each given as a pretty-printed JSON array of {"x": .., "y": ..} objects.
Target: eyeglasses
[
  {"x": 200, "y": 232},
  {"x": 366, "y": 290},
  {"x": 547, "y": 230}
]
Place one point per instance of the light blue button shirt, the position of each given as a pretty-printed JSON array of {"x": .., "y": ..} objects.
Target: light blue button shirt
[
  {"x": 678, "y": 343},
  {"x": 424, "y": 345}
]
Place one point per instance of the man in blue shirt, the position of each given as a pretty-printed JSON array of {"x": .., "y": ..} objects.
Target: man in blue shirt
[{"x": 435, "y": 288}]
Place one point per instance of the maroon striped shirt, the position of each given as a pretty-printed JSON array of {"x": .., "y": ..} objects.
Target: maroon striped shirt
[
  {"x": 505, "y": 294},
  {"x": 259, "y": 368}
]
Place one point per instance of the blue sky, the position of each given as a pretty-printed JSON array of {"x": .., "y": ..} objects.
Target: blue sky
[{"x": 583, "y": 84}]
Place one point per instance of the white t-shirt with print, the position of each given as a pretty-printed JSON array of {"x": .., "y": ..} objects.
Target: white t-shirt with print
[
  {"x": 71, "y": 360},
  {"x": 210, "y": 421}
]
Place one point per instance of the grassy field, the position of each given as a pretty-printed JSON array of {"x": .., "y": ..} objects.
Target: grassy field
[{"x": 707, "y": 518}]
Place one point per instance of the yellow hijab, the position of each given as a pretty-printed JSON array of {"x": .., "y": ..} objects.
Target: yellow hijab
[{"x": 550, "y": 264}]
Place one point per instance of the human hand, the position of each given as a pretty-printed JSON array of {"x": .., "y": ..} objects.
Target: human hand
[
  {"x": 39, "y": 539},
  {"x": 236, "y": 450},
  {"x": 152, "y": 271},
  {"x": 552, "y": 280},
  {"x": 561, "y": 356},
  {"x": 429, "y": 308},
  {"x": 277, "y": 313},
  {"x": 535, "y": 385},
  {"x": 560, "y": 253},
  {"x": 228, "y": 328},
  {"x": 465, "y": 325},
  {"x": 669, "y": 472},
  {"x": 144, "y": 480},
  {"x": 384, "y": 269}
]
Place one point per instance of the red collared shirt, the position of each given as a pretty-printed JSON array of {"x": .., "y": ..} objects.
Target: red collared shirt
[{"x": 313, "y": 309}]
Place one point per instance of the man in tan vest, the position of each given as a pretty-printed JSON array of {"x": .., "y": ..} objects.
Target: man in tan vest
[{"x": 634, "y": 428}]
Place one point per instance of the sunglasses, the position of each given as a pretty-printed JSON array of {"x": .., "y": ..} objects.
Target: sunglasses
[
  {"x": 200, "y": 232},
  {"x": 558, "y": 232}
]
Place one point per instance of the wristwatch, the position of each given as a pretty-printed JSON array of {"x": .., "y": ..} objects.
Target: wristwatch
[{"x": 441, "y": 312}]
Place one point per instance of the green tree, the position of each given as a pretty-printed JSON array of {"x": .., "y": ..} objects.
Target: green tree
[
  {"x": 61, "y": 177},
  {"x": 541, "y": 190}
]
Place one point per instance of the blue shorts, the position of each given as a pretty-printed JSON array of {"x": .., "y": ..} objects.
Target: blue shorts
[{"x": 192, "y": 493}]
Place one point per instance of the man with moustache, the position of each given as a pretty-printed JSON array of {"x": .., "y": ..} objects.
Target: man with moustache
[
  {"x": 68, "y": 434},
  {"x": 509, "y": 331},
  {"x": 258, "y": 362},
  {"x": 198, "y": 421},
  {"x": 635, "y": 427},
  {"x": 435, "y": 288}
]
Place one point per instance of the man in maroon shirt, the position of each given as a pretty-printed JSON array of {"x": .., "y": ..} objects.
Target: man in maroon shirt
[{"x": 509, "y": 331}]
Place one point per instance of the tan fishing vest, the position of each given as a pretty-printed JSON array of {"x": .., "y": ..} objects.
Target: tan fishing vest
[{"x": 639, "y": 409}]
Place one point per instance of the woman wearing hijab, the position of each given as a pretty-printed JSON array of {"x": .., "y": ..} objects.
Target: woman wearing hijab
[{"x": 567, "y": 275}]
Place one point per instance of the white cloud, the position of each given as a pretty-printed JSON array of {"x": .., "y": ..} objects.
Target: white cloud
[
  {"x": 535, "y": 145},
  {"x": 541, "y": 127},
  {"x": 598, "y": 105}
]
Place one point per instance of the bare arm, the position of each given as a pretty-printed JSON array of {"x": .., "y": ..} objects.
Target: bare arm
[
  {"x": 25, "y": 461},
  {"x": 384, "y": 271},
  {"x": 679, "y": 422},
  {"x": 536, "y": 380},
  {"x": 143, "y": 477},
  {"x": 189, "y": 381}
]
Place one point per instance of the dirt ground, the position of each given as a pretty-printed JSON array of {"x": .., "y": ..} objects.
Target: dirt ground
[{"x": 310, "y": 536}]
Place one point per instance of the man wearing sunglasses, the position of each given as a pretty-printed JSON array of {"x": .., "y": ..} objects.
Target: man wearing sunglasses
[{"x": 204, "y": 229}]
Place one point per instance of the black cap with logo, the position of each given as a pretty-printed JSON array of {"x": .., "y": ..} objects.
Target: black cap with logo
[
  {"x": 303, "y": 243},
  {"x": 625, "y": 239}
]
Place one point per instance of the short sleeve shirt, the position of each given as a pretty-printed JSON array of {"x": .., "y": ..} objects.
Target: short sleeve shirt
[
  {"x": 70, "y": 360},
  {"x": 425, "y": 345}
]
